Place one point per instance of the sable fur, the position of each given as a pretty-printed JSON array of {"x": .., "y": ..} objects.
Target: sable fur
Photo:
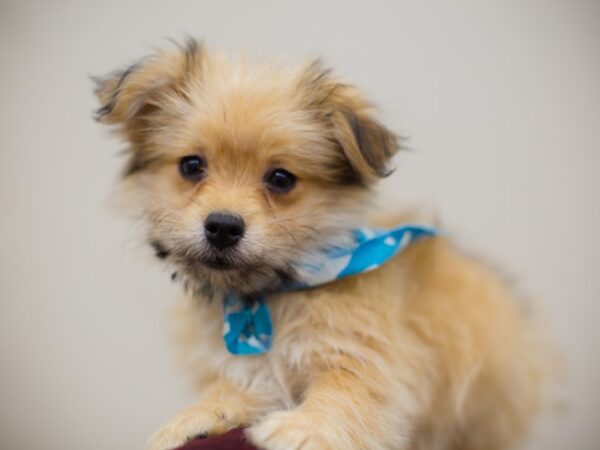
[{"x": 428, "y": 352}]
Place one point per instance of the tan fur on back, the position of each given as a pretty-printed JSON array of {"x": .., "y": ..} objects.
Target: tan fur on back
[{"x": 429, "y": 352}]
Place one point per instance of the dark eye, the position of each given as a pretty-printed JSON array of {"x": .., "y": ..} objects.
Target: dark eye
[
  {"x": 192, "y": 167},
  {"x": 280, "y": 181}
]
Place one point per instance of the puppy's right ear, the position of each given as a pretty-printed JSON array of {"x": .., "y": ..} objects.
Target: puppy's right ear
[{"x": 131, "y": 94}]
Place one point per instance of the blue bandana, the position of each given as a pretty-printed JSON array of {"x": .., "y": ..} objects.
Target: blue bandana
[{"x": 248, "y": 330}]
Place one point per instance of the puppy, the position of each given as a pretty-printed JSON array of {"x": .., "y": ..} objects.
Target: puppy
[{"x": 429, "y": 351}]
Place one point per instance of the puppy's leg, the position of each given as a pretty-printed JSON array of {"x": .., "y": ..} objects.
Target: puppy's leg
[
  {"x": 222, "y": 407},
  {"x": 351, "y": 407}
]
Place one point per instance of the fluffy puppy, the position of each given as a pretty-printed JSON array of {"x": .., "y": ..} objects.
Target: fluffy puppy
[{"x": 430, "y": 351}]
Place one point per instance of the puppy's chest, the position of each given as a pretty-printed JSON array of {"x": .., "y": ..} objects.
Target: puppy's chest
[
  {"x": 283, "y": 372},
  {"x": 272, "y": 374}
]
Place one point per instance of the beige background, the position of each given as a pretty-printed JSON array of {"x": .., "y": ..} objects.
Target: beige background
[{"x": 501, "y": 101}]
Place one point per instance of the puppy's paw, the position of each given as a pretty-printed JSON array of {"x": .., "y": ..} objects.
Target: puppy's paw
[
  {"x": 289, "y": 430},
  {"x": 199, "y": 421}
]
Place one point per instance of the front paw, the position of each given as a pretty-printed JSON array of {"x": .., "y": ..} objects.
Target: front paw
[
  {"x": 192, "y": 423},
  {"x": 290, "y": 430}
]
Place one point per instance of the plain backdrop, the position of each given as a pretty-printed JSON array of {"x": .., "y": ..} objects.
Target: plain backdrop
[{"x": 501, "y": 104}]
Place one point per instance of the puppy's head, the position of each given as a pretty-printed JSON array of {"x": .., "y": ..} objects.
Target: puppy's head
[{"x": 240, "y": 169}]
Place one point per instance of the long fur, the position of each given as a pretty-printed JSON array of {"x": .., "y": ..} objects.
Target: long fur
[{"x": 431, "y": 351}]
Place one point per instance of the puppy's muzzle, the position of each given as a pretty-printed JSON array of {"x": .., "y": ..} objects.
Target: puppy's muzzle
[{"x": 223, "y": 230}]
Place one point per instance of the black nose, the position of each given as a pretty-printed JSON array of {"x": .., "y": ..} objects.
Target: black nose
[{"x": 223, "y": 230}]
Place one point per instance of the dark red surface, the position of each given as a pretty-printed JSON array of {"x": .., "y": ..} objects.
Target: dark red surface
[{"x": 232, "y": 440}]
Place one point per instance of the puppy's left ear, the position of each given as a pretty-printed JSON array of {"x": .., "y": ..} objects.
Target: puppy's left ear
[
  {"x": 364, "y": 144},
  {"x": 367, "y": 144}
]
